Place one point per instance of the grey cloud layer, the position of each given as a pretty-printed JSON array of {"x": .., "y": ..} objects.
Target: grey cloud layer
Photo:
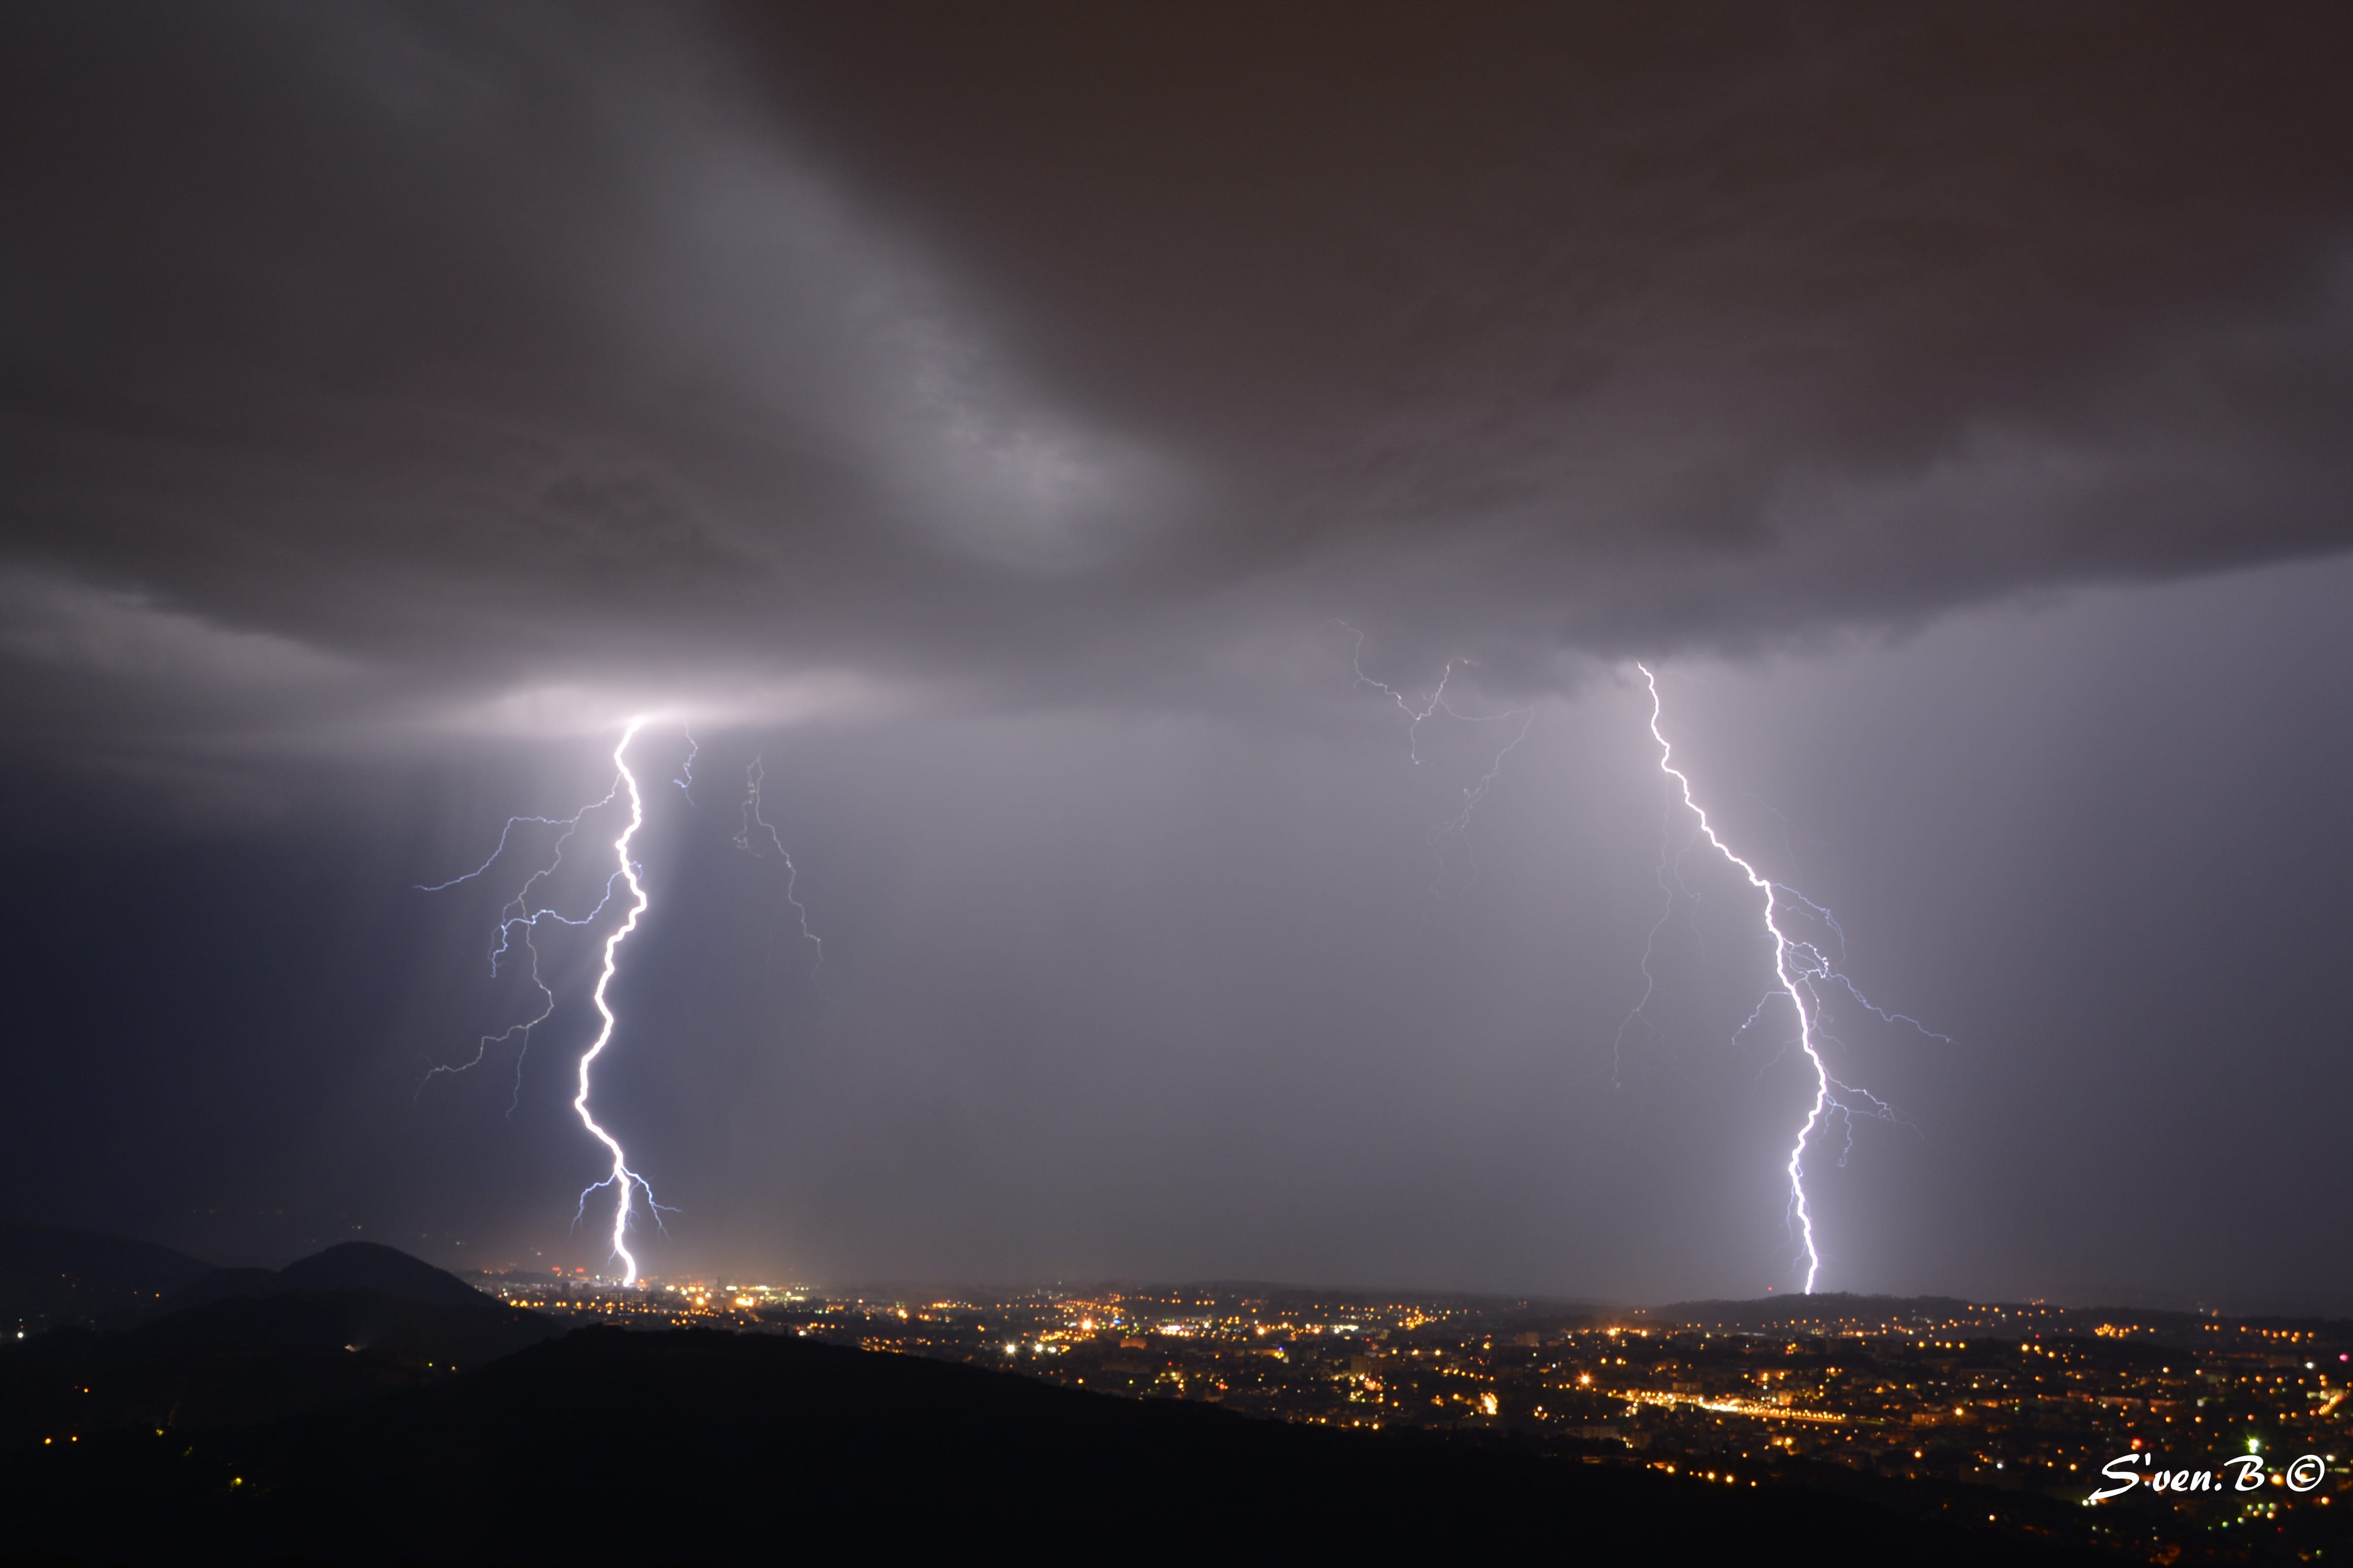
[{"x": 454, "y": 354}]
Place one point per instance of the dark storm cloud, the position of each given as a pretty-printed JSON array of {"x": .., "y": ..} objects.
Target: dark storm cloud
[
  {"x": 1657, "y": 321},
  {"x": 362, "y": 365}
]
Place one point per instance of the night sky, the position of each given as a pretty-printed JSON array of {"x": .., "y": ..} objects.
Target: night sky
[{"x": 1018, "y": 427}]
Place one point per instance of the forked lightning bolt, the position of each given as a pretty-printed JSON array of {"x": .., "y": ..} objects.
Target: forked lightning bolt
[{"x": 1798, "y": 967}]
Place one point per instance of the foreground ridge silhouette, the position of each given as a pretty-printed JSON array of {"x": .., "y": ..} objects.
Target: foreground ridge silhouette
[
  {"x": 610, "y": 1446},
  {"x": 362, "y": 1406}
]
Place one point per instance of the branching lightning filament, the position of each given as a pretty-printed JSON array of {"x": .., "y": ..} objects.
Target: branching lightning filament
[{"x": 517, "y": 919}]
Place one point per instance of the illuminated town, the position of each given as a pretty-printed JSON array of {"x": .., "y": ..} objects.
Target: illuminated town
[{"x": 2004, "y": 1413}]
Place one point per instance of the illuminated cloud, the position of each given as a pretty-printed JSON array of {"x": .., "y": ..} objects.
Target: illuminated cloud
[{"x": 1030, "y": 357}]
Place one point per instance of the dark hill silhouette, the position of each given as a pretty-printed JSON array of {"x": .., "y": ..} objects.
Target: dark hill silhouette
[
  {"x": 608, "y": 1446},
  {"x": 50, "y": 1276},
  {"x": 347, "y": 1266},
  {"x": 348, "y": 1322},
  {"x": 221, "y": 1284},
  {"x": 243, "y": 1347},
  {"x": 371, "y": 1266}
]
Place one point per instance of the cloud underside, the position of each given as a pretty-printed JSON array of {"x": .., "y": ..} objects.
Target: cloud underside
[{"x": 391, "y": 363}]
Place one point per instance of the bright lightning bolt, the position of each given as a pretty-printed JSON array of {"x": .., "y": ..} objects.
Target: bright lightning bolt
[
  {"x": 624, "y": 1180},
  {"x": 1800, "y": 966},
  {"x": 519, "y": 917}
]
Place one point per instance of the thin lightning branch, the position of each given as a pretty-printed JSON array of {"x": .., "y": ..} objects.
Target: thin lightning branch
[
  {"x": 1872, "y": 1104},
  {"x": 1849, "y": 987},
  {"x": 1437, "y": 698},
  {"x": 1650, "y": 946},
  {"x": 1826, "y": 967},
  {"x": 482, "y": 1047},
  {"x": 517, "y": 914},
  {"x": 547, "y": 1006},
  {"x": 1816, "y": 965},
  {"x": 1754, "y": 1013},
  {"x": 509, "y": 923},
  {"x": 1457, "y": 826},
  {"x": 685, "y": 781},
  {"x": 622, "y": 1179},
  {"x": 746, "y": 839},
  {"x": 504, "y": 833},
  {"x": 518, "y": 909}
]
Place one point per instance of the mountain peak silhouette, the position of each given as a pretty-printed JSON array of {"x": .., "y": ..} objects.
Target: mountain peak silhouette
[
  {"x": 372, "y": 1266},
  {"x": 367, "y": 1266}
]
